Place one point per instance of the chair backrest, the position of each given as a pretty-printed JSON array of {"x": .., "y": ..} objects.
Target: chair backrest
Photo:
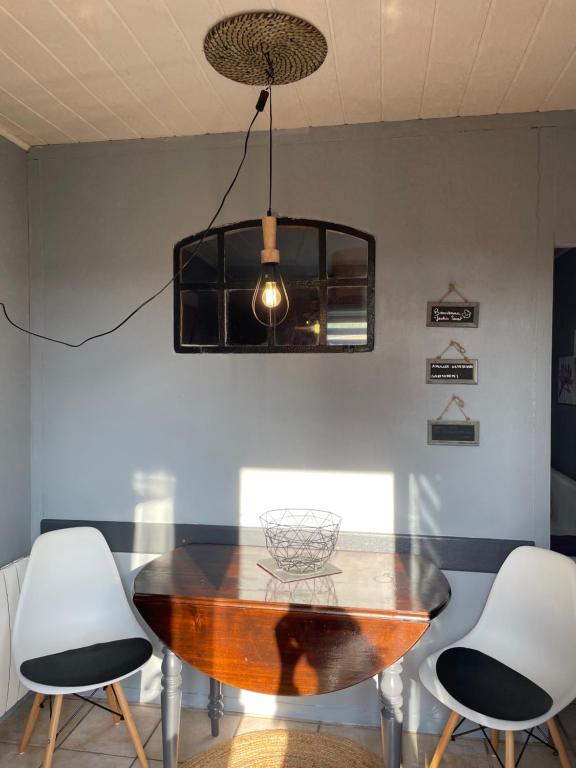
[
  {"x": 529, "y": 620},
  {"x": 72, "y": 596}
]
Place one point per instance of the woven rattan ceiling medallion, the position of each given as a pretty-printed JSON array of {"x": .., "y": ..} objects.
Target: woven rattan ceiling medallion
[{"x": 263, "y": 48}]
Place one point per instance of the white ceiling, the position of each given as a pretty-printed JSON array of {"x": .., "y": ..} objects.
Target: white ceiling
[{"x": 92, "y": 70}]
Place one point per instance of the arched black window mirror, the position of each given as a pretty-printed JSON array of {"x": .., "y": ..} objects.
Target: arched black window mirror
[{"x": 329, "y": 274}]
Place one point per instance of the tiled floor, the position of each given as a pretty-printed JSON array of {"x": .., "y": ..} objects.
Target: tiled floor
[{"x": 89, "y": 739}]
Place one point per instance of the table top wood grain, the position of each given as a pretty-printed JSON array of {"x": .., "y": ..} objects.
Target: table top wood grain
[{"x": 217, "y": 609}]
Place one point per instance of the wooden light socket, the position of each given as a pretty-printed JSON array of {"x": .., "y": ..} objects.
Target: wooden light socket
[{"x": 269, "y": 254}]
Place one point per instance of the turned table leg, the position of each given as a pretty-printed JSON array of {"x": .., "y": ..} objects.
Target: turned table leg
[
  {"x": 390, "y": 693},
  {"x": 215, "y": 706},
  {"x": 171, "y": 701}
]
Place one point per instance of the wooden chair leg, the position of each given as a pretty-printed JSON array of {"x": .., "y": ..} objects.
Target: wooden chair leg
[
  {"x": 444, "y": 739},
  {"x": 509, "y": 760},
  {"x": 559, "y": 743},
  {"x": 495, "y": 738},
  {"x": 31, "y": 724},
  {"x": 130, "y": 724},
  {"x": 113, "y": 704},
  {"x": 53, "y": 731}
]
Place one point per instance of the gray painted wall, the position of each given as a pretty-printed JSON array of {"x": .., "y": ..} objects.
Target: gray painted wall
[
  {"x": 125, "y": 429},
  {"x": 15, "y": 357},
  {"x": 125, "y": 421}
]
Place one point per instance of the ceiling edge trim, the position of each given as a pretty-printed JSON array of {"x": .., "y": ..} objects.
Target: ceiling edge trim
[{"x": 14, "y": 139}]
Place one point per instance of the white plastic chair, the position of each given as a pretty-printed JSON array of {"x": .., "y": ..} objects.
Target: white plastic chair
[
  {"x": 529, "y": 625},
  {"x": 74, "y": 629}
]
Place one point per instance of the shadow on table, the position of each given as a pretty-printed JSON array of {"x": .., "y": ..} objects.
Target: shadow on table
[{"x": 330, "y": 655}]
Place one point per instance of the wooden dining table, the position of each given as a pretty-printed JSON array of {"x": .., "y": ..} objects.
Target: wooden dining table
[{"x": 215, "y": 608}]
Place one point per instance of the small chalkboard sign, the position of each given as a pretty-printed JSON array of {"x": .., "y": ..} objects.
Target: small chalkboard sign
[
  {"x": 453, "y": 313},
  {"x": 447, "y": 371},
  {"x": 453, "y": 432}
]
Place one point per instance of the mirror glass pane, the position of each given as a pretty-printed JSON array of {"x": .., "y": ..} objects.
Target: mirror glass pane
[
  {"x": 242, "y": 254},
  {"x": 347, "y": 316},
  {"x": 299, "y": 252},
  {"x": 242, "y": 326},
  {"x": 203, "y": 264},
  {"x": 298, "y": 248},
  {"x": 346, "y": 255},
  {"x": 302, "y": 325},
  {"x": 199, "y": 318}
]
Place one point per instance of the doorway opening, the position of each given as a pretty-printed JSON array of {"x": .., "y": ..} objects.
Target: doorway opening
[{"x": 563, "y": 411}]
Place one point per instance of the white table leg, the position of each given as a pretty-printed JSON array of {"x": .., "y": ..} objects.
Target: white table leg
[
  {"x": 391, "y": 716},
  {"x": 171, "y": 701}
]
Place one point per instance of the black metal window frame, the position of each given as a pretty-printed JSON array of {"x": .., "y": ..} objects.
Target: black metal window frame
[{"x": 323, "y": 282}]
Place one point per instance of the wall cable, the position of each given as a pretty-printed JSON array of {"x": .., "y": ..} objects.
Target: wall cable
[{"x": 262, "y": 99}]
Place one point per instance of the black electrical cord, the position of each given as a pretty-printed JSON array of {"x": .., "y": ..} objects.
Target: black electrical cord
[
  {"x": 270, "y": 152},
  {"x": 270, "y": 75},
  {"x": 263, "y": 98}
]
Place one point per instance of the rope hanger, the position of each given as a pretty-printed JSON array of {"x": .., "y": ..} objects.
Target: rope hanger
[
  {"x": 459, "y": 402},
  {"x": 452, "y": 289},
  {"x": 457, "y": 347}
]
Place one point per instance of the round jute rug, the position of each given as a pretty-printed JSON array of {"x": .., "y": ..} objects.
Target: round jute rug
[{"x": 285, "y": 749}]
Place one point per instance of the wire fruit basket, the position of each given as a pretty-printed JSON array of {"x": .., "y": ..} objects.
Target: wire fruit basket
[{"x": 300, "y": 540}]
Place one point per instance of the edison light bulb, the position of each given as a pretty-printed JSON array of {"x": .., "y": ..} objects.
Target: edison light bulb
[
  {"x": 270, "y": 302},
  {"x": 271, "y": 296}
]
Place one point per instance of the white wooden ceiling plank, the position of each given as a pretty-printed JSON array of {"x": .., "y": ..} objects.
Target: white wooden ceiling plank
[
  {"x": 458, "y": 30},
  {"x": 17, "y": 82},
  {"x": 125, "y": 115},
  {"x": 406, "y": 30},
  {"x": 106, "y": 31},
  {"x": 20, "y": 114},
  {"x": 287, "y": 112},
  {"x": 356, "y": 41},
  {"x": 319, "y": 94},
  {"x": 31, "y": 53},
  {"x": 547, "y": 56},
  {"x": 17, "y": 134},
  {"x": 193, "y": 23},
  {"x": 152, "y": 27},
  {"x": 155, "y": 27},
  {"x": 510, "y": 26},
  {"x": 562, "y": 94},
  {"x": 83, "y": 71},
  {"x": 224, "y": 8}
]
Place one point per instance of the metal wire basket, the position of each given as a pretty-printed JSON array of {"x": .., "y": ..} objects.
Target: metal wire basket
[{"x": 300, "y": 540}]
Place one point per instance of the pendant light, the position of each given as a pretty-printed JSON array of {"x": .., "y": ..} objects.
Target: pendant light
[
  {"x": 270, "y": 302},
  {"x": 266, "y": 48}
]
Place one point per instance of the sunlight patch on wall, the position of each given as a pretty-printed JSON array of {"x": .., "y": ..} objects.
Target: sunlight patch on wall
[
  {"x": 157, "y": 490},
  {"x": 424, "y": 505},
  {"x": 365, "y": 500}
]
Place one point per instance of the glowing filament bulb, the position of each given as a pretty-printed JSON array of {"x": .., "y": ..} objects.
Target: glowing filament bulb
[
  {"x": 270, "y": 302},
  {"x": 271, "y": 296}
]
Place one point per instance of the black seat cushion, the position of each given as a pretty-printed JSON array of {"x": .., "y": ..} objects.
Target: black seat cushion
[
  {"x": 489, "y": 687},
  {"x": 92, "y": 665}
]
